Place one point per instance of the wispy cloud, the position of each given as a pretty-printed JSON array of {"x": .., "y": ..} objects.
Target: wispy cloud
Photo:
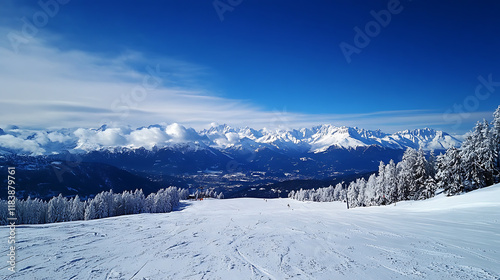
[{"x": 45, "y": 87}]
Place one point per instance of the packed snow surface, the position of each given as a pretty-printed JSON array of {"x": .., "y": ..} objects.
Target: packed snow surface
[{"x": 440, "y": 238}]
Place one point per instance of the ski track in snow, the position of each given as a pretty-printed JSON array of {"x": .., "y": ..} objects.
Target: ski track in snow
[{"x": 255, "y": 239}]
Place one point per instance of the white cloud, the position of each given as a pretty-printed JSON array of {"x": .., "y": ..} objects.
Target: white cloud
[
  {"x": 11, "y": 142},
  {"x": 45, "y": 87},
  {"x": 179, "y": 133},
  {"x": 147, "y": 137},
  {"x": 89, "y": 139},
  {"x": 58, "y": 137}
]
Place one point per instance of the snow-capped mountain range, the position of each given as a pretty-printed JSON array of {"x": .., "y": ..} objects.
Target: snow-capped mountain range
[
  {"x": 315, "y": 140},
  {"x": 320, "y": 138}
]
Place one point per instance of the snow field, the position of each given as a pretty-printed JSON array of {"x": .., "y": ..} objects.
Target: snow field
[{"x": 440, "y": 238}]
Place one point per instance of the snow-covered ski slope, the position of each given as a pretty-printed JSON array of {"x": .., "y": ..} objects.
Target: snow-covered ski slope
[{"x": 441, "y": 238}]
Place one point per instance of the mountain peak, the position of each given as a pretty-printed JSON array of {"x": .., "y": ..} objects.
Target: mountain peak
[{"x": 316, "y": 139}]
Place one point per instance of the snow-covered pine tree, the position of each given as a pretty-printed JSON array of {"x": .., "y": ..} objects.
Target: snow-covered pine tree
[
  {"x": 450, "y": 172},
  {"x": 90, "y": 210},
  {"x": 429, "y": 189},
  {"x": 371, "y": 195},
  {"x": 352, "y": 194},
  {"x": 183, "y": 194},
  {"x": 407, "y": 185},
  {"x": 161, "y": 202},
  {"x": 316, "y": 195},
  {"x": 487, "y": 154},
  {"x": 477, "y": 155},
  {"x": 58, "y": 209},
  {"x": 103, "y": 203},
  {"x": 339, "y": 192},
  {"x": 127, "y": 202},
  {"x": 362, "y": 191},
  {"x": 138, "y": 202},
  {"x": 431, "y": 164},
  {"x": 149, "y": 203},
  {"x": 495, "y": 135},
  {"x": 38, "y": 209},
  {"x": 303, "y": 195},
  {"x": 420, "y": 169},
  {"x": 77, "y": 209},
  {"x": 119, "y": 204},
  {"x": 327, "y": 194},
  {"x": 22, "y": 211},
  {"x": 381, "y": 185},
  {"x": 391, "y": 182}
]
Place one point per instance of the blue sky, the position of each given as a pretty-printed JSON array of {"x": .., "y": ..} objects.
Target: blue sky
[{"x": 266, "y": 63}]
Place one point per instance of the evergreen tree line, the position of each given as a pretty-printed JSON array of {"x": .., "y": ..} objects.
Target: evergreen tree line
[
  {"x": 103, "y": 205},
  {"x": 210, "y": 193},
  {"x": 475, "y": 165},
  {"x": 327, "y": 194}
]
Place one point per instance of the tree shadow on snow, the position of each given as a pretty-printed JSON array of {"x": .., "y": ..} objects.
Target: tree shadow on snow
[{"x": 182, "y": 205}]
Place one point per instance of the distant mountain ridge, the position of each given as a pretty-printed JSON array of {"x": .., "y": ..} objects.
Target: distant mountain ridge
[
  {"x": 221, "y": 137},
  {"x": 239, "y": 161},
  {"x": 320, "y": 138}
]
